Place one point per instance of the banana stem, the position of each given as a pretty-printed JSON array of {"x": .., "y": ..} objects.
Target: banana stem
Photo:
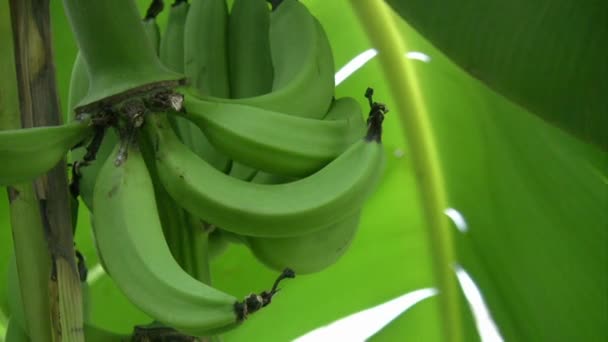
[
  {"x": 33, "y": 261},
  {"x": 57, "y": 286},
  {"x": 119, "y": 58},
  {"x": 382, "y": 31}
]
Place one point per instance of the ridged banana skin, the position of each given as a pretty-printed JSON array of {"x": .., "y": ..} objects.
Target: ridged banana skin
[
  {"x": 172, "y": 56},
  {"x": 172, "y": 40},
  {"x": 303, "y": 82},
  {"x": 250, "y": 64},
  {"x": 205, "y": 66},
  {"x": 152, "y": 32},
  {"x": 275, "y": 142},
  {"x": 130, "y": 240},
  {"x": 308, "y": 253},
  {"x": 205, "y": 54},
  {"x": 282, "y": 210},
  {"x": 30, "y": 152}
]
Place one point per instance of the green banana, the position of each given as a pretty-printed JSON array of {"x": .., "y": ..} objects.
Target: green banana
[
  {"x": 308, "y": 253},
  {"x": 282, "y": 210},
  {"x": 186, "y": 241},
  {"x": 275, "y": 142},
  {"x": 172, "y": 40},
  {"x": 250, "y": 63},
  {"x": 303, "y": 65},
  {"x": 151, "y": 26},
  {"x": 218, "y": 243},
  {"x": 203, "y": 61},
  {"x": 152, "y": 32},
  {"x": 30, "y": 152},
  {"x": 205, "y": 47},
  {"x": 129, "y": 237},
  {"x": 172, "y": 55}
]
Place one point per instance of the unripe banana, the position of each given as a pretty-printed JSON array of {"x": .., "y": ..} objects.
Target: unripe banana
[
  {"x": 250, "y": 63},
  {"x": 275, "y": 142},
  {"x": 152, "y": 32},
  {"x": 308, "y": 253},
  {"x": 204, "y": 63},
  {"x": 172, "y": 41},
  {"x": 184, "y": 235},
  {"x": 129, "y": 237},
  {"x": 291, "y": 209},
  {"x": 303, "y": 65},
  {"x": 30, "y": 152},
  {"x": 205, "y": 55}
]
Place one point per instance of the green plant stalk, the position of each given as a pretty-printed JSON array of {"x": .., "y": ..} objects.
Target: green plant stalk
[
  {"x": 39, "y": 106},
  {"x": 119, "y": 58},
  {"x": 33, "y": 260},
  {"x": 377, "y": 21}
]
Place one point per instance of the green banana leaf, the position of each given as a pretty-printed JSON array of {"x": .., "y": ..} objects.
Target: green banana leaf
[
  {"x": 548, "y": 56},
  {"x": 533, "y": 198}
]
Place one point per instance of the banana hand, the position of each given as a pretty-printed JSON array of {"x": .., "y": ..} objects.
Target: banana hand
[
  {"x": 130, "y": 240},
  {"x": 275, "y": 142},
  {"x": 282, "y": 210}
]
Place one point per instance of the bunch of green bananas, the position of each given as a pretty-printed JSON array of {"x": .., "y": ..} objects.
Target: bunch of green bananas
[{"x": 255, "y": 148}]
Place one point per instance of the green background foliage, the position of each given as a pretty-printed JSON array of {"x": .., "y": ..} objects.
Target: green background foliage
[{"x": 534, "y": 197}]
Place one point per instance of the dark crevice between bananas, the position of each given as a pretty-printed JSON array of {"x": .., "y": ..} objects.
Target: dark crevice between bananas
[{"x": 125, "y": 118}]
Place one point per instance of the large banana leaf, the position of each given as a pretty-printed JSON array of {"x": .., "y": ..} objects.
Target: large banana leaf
[
  {"x": 549, "y": 56},
  {"x": 533, "y": 199}
]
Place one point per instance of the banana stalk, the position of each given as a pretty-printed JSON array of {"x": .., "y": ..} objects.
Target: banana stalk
[
  {"x": 119, "y": 58},
  {"x": 39, "y": 107},
  {"x": 33, "y": 262}
]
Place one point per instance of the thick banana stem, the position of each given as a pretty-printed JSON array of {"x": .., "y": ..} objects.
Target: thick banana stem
[
  {"x": 33, "y": 261},
  {"x": 39, "y": 107},
  {"x": 120, "y": 60}
]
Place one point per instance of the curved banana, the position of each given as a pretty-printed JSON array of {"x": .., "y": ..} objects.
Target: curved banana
[
  {"x": 309, "y": 253},
  {"x": 249, "y": 60},
  {"x": 29, "y": 152},
  {"x": 130, "y": 240},
  {"x": 204, "y": 63},
  {"x": 282, "y": 210},
  {"x": 303, "y": 65},
  {"x": 152, "y": 32},
  {"x": 275, "y": 142},
  {"x": 172, "y": 40},
  {"x": 205, "y": 55}
]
